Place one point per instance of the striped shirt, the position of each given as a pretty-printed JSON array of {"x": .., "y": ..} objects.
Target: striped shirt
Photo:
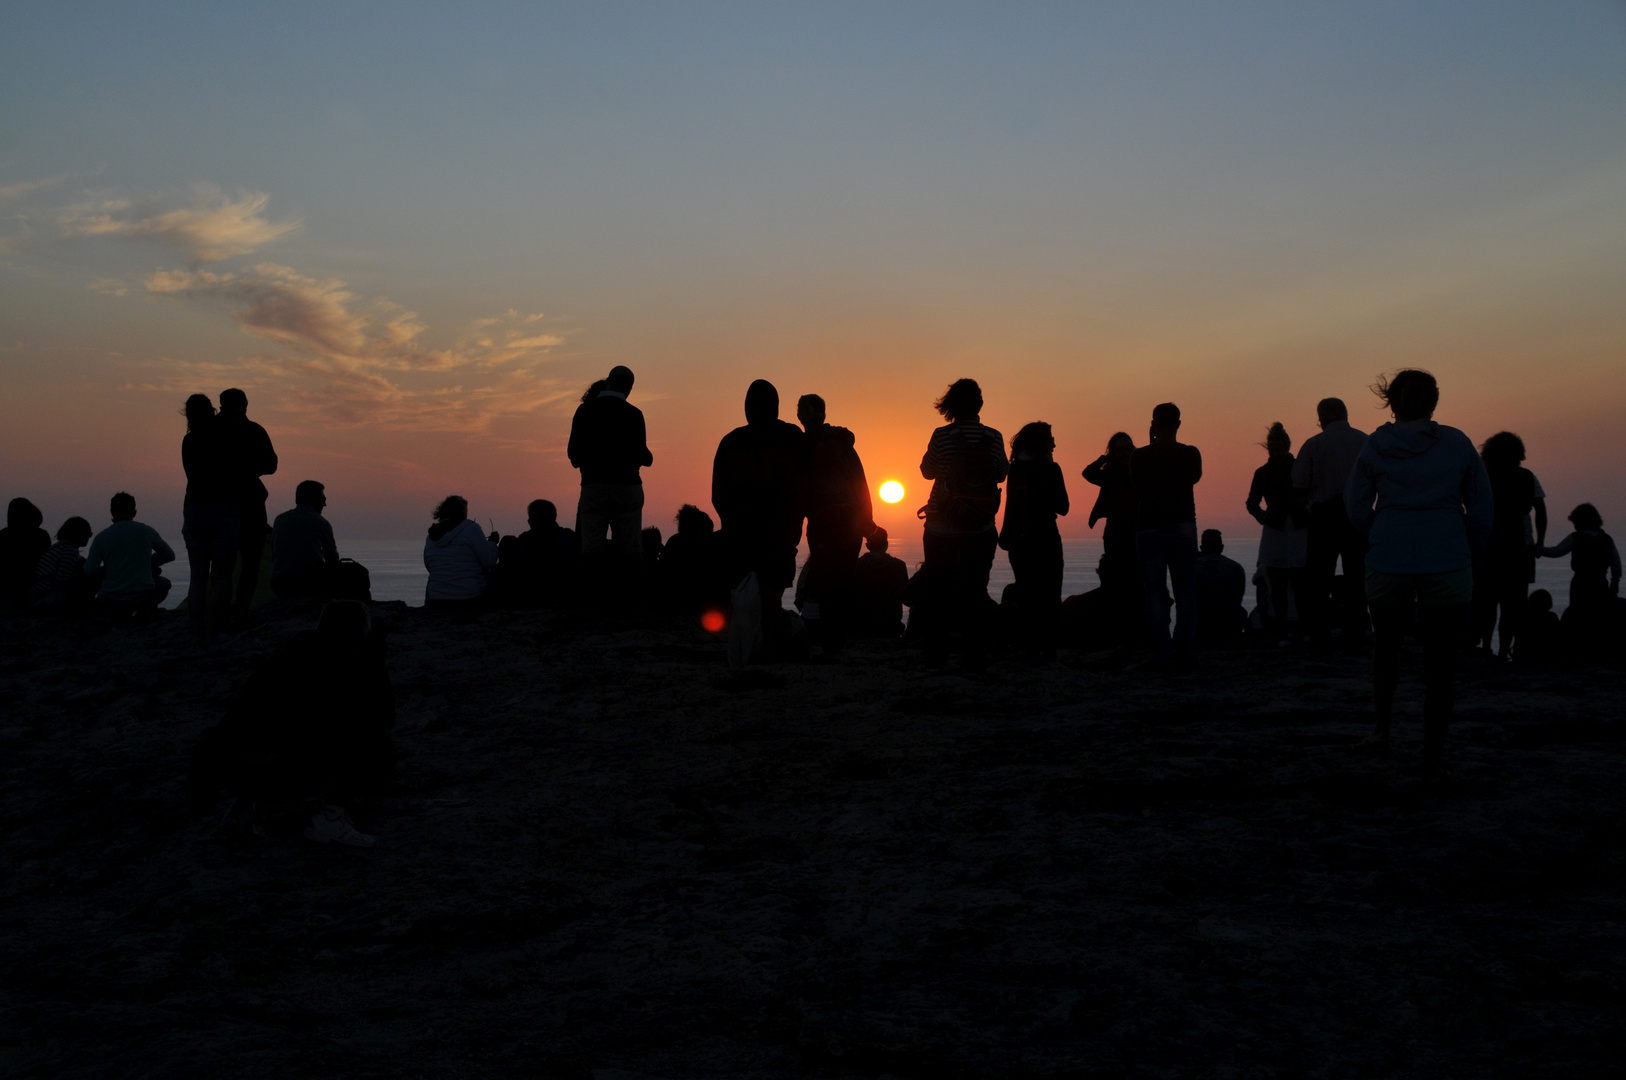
[
  {"x": 57, "y": 570},
  {"x": 966, "y": 461}
]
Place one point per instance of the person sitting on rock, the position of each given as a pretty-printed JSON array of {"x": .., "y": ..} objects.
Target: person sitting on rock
[
  {"x": 878, "y": 586},
  {"x": 537, "y": 567},
  {"x": 1222, "y": 584},
  {"x": 127, "y": 555}
]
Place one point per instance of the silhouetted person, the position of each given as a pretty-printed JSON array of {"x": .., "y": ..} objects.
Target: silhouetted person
[
  {"x": 839, "y": 516},
  {"x": 126, "y": 556},
  {"x": 458, "y": 557},
  {"x": 1420, "y": 494},
  {"x": 756, "y": 488},
  {"x": 60, "y": 581},
  {"x": 1222, "y": 585},
  {"x": 1115, "y": 504},
  {"x": 1595, "y": 574},
  {"x": 1320, "y": 473},
  {"x": 608, "y": 445},
  {"x": 650, "y": 570},
  {"x": 1508, "y": 566},
  {"x": 211, "y": 518},
  {"x": 878, "y": 583},
  {"x": 1283, "y": 519},
  {"x": 965, "y": 460},
  {"x": 1035, "y": 494},
  {"x": 538, "y": 566},
  {"x": 22, "y": 542},
  {"x": 693, "y": 578},
  {"x": 250, "y": 456},
  {"x": 312, "y": 725},
  {"x": 1540, "y": 632},
  {"x": 304, "y": 558},
  {"x": 1165, "y": 474}
]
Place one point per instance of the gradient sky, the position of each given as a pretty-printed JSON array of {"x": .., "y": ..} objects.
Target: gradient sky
[{"x": 413, "y": 234}]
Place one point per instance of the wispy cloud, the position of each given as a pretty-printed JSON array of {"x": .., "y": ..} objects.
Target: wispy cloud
[
  {"x": 213, "y": 226},
  {"x": 25, "y": 188}
]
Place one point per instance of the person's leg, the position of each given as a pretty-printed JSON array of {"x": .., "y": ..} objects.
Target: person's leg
[
  {"x": 839, "y": 608},
  {"x": 197, "y": 592},
  {"x": 1149, "y": 552},
  {"x": 937, "y": 553},
  {"x": 1514, "y": 596},
  {"x": 1182, "y": 556},
  {"x": 1048, "y": 597},
  {"x": 1443, "y": 630},
  {"x": 1391, "y": 598},
  {"x": 1320, "y": 572},
  {"x": 250, "y": 550},
  {"x": 1483, "y": 614},
  {"x": 625, "y": 512},
  {"x": 1352, "y": 550},
  {"x": 976, "y": 563},
  {"x": 1279, "y": 594}
]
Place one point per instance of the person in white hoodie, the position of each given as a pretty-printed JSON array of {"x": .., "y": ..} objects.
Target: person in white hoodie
[
  {"x": 457, "y": 556},
  {"x": 1420, "y": 493}
]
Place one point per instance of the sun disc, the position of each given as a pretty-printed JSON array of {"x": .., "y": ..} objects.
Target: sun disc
[{"x": 891, "y": 492}]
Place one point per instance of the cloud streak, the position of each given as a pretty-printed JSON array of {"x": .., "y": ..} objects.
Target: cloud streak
[{"x": 214, "y": 227}]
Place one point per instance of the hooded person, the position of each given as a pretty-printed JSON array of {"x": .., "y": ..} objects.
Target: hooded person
[
  {"x": 22, "y": 542},
  {"x": 839, "y": 516},
  {"x": 756, "y": 488},
  {"x": 458, "y": 557}
]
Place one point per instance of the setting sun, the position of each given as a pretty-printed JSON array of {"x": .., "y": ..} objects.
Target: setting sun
[{"x": 891, "y": 491}]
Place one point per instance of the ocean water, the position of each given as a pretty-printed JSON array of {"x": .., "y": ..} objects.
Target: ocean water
[{"x": 397, "y": 569}]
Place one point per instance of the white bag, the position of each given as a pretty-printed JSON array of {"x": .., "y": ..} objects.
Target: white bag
[{"x": 745, "y": 623}]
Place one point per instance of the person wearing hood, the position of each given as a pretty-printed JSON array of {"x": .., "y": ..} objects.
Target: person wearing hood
[
  {"x": 839, "y": 516},
  {"x": 249, "y": 456},
  {"x": 1420, "y": 494},
  {"x": 457, "y": 556},
  {"x": 1034, "y": 495},
  {"x": 756, "y": 488},
  {"x": 22, "y": 542},
  {"x": 1320, "y": 473},
  {"x": 965, "y": 460}
]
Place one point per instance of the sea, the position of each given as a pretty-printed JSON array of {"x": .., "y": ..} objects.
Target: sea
[{"x": 397, "y": 569}]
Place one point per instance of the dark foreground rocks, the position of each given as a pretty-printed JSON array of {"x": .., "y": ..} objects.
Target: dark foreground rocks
[{"x": 604, "y": 859}]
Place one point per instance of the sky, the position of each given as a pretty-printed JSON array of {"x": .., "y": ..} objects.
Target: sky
[{"x": 413, "y": 234}]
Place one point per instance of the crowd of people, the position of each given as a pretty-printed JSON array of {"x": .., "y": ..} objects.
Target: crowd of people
[{"x": 1434, "y": 537}]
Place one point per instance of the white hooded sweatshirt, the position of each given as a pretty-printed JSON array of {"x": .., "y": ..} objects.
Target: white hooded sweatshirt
[{"x": 457, "y": 559}]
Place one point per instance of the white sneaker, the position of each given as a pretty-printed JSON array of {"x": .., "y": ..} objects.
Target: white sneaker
[{"x": 331, "y": 825}]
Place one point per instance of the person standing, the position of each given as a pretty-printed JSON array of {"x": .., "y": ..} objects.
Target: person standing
[
  {"x": 1035, "y": 493},
  {"x": 1319, "y": 473},
  {"x": 1502, "y": 578},
  {"x": 1420, "y": 493},
  {"x": 1165, "y": 475},
  {"x": 608, "y": 445},
  {"x": 210, "y": 520},
  {"x": 1283, "y": 538},
  {"x": 249, "y": 456},
  {"x": 1120, "y": 569},
  {"x": 839, "y": 516},
  {"x": 965, "y": 460}
]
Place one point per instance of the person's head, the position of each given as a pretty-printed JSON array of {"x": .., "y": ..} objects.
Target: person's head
[
  {"x": 596, "y": 387},
  {"x": 24, "y": 515},
  {"x": 1330, "y": 410},
  {"x": 1502, "y": 452},
  {"x": 761, "y": 402},
  {"x": 1586, "y": 517},
  {"x": 233, "y": 402},
  {"x": 122, "y": 506},
  {"x": 620, "y": 379},
  {"x": 877, "y": 541},
  {"x": 961, "y": 401},
  {"x": 310, "y": 493},
  {"x": 1277, "y": 441},
  {"x": 199, "y": 410},
  {"x": 1540, "y": 602},
  {"x": 75, "y": 531},
  {"x": 810, "y": 411},
  {"x": 1411, "y": 394},
  {"x": 693, "y": 521},
  {"x": 652, "y": 541},
  {"x": 1213, "y": 543},
  {"x": 1035, "y": 440},
  {"x": 344, "y": 622},
  {"x": 452, "y": 509},
  {"x": 1165, "y": 420},
  {"x": 1121, "y": 445},
  {"x": 541, "y": 514}
]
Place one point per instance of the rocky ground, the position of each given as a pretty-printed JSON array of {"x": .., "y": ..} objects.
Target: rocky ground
[{"x": 602, "y": 858}]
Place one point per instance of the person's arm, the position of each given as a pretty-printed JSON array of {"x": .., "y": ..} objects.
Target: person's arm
[
  {"x": 644, "y": 456},
  {"x": 1478, "y": 503},
  {"x": 1196, "y": 465},
  {"x": 577, "y": 444},
  {"x": 330, "y": 547},
  {"x": 720, "y": 493},
  {"x": 162, "y": 552},
  {"x": 1360, "y": 492},
  {"x": 1062, "y": 503},
  {"x": 266, "y": 455},
  {"x": 484, "y": 549},
  {"x": 1002, "y": 464},
  {"x": 1016, "y": 504},
  {"x": 1541, "y": 521},
  {"x": 1558, "y": 550},
  {"x": 94, "y": 558},
  {"x": 931, "y": 466},
  {"x": 864, "y": 508},
  {"x": 1256, "y": 495},
  {"x": 1614, "y": 566},
  {"x": 1304, "y": 466}
]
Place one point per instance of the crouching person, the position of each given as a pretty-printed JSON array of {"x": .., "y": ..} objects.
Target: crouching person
[
  {"x": 304, "y": 558},
  {"x": 310, "y": 731}
]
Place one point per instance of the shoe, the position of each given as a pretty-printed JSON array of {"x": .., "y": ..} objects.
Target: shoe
[{"x": 331, "y": 825}]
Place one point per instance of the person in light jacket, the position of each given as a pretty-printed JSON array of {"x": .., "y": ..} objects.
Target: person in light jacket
[
  {"x": 1420, "y": 494},
  {"x": 457, "y": 556}
]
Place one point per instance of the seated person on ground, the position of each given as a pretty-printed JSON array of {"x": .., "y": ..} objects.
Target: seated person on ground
[
  {"x": 878, "y": 585},
  {"x": 59, "y": 579},
  {"x": 458, "y": 557},
  {"x": 1221, "y": 586},
  {"x": 1594, "y": 564},
  {"x": 693, "y": 577},
  {"x": 311, "y": 729},
  {"x": 22, "y": 542},
  {"x": 538, "y": 566},
  {"x": 1541, "y": 631},
  {"x": 127, "y": 554},
  {"x": 304, "y": 557}
]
